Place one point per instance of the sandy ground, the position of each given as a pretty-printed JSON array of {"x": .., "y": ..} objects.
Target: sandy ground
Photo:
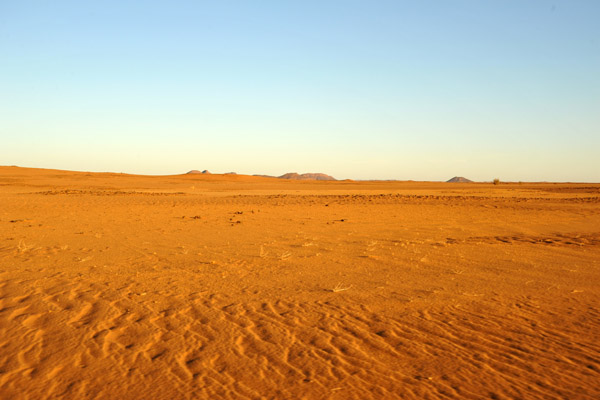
[{"x": 117, "y": 286}]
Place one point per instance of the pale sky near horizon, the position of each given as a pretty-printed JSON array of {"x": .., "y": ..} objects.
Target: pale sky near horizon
[{"x": 421, "y": 90}]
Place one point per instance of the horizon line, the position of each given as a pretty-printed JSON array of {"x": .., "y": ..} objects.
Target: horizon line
[{"x": 316, "y": 180}]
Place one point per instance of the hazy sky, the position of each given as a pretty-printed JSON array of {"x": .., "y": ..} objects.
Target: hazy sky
[{"x": 420, "y": 90}]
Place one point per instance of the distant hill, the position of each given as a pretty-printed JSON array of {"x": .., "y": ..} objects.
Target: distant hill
[
  {"x": 195, "y": 171},
  {"x": 459, "y": 179},
  {"x": 308, "y": 176}
]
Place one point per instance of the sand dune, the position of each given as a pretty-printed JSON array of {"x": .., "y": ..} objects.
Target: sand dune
[{"x": 116, "y": 286}]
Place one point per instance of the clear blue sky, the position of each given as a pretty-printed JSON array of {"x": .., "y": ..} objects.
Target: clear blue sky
[{"x": 420, "y": 90}]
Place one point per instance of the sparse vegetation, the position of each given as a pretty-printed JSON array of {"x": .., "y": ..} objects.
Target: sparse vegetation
[
  {"x": 496, "y": 181},
  {"x": 340, "y": 288},
  {"x": 22, "y": 247}
]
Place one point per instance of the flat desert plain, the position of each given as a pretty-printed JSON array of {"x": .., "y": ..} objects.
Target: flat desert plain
[{"x": 117, "y": 286}]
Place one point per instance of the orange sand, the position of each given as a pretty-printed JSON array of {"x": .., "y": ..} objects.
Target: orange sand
[{"x": 188, "y": 287}]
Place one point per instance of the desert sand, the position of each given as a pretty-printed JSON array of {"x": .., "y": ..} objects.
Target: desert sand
[{"x": 117, "y": 286}]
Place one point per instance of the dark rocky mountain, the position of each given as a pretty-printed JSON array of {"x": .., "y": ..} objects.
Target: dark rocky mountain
[{"x": 459, "y": 179}]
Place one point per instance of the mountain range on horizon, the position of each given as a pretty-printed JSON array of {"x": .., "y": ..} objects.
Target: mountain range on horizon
[{"x": 317, "y": 176}]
